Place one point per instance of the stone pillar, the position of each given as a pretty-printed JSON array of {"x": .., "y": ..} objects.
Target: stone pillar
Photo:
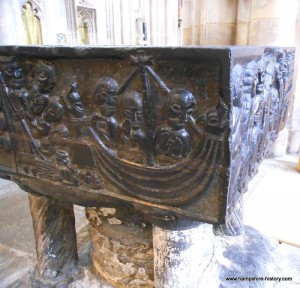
[
  {"x": 181, "y": 255},
  {"x": 55, "y": 239},
  {"x": 101, "y": 23},
  {"x": 11, "y": 26},
  {"x": 243, "y": 19},
  {"x": 171, "y": 23},
  {"x": 126, "y": 26},
  {"x": 157, "y": 23},
  {"x": 116, "y": 12},
  {"x": 122, "y": 251},
  {"x": 187, "y": 17},
  {"x": 110, "y": 31}
]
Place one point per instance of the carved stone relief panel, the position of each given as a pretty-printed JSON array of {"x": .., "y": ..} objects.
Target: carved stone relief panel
[
  {"x": 156, "y": 128},
  {"x": 261, "y": 91}
]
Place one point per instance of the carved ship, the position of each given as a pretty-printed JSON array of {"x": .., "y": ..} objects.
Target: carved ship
[{"x": 174, "y": 132}]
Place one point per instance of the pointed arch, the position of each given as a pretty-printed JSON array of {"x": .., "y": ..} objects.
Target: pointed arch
[
  {"x": 32, "y": 24},
  {"x": 86, "y": 25},
  {"x": 33, "y": 19}
]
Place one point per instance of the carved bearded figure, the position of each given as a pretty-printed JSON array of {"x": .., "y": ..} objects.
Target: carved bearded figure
[
  {"x": 250, "y": 82},
  {"x": 12, "y": 77},
  {"x": 130, "y": 136},
  {"x": 42, "y": 84},
  {"x": 172, "y": 141},
  {"x": 103, "y": 120},
  {"x": 49, "y": 123},
  {"x": 274, "y": 101}
]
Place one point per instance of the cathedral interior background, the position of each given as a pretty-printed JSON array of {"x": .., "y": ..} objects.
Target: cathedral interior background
[
  {"x": 160, "y": 23},
  {"x": 150, "y": 24}
]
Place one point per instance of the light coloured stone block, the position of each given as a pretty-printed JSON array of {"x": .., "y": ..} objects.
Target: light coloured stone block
[
  {"x": 202, "y": 38},
  {"x": 202, "y": 14},
  {"x": 220, "y": 34},
  {"x": 242, "y": 34},
  {"x": 196, "y": 35},
  {"x": 275, "y": 32},
  {"x": 275, "y": 9},
  {"x": 187, "y": 15},
  {"x": 187, "y": 36},
  {"x": 223, "y": 11},
  {"x": 244, "y": 10}
]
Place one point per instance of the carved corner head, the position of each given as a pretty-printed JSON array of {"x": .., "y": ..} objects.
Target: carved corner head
[
  {"x": 180, "y": 105},
  {"x": 106, "y": 95}
]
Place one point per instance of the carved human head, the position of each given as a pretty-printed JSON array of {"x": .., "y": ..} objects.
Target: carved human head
[
  {"x": 238, "y": 78},
  {"x": 282, "y": 69},
  {"x": 45, "y": 76},
  {"x": 54, "y": 112},
  {"x": 12, "y": 72},
  {"x": 132, "y": 109},
  {"x": 63, "y": 157},
  {"x": 250, "y": 78},
  {"x": 38, "y": 104},
  {"x": 261, "y": 68},
  {"x": 270, "y": 75},
  {"x": 106, "y": 96},
  {"x": 59, "y": 135},
  {"x": 180, "y": 105},
  {"x": 76, "y": 106}
]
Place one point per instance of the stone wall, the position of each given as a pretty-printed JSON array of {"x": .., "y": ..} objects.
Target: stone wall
[{"x": 250, "y": 22}]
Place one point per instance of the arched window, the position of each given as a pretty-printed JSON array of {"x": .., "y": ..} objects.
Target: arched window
[
  {"x": 32, "y": 25},
  {"x": 86, "y": 26}
]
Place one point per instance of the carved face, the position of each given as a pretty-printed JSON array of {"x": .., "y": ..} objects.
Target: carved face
[
  {"x": 54, "y": 111},
  {"x": 106, "y": 95},
  {"x": 63, "y": 157},
  {"x": 107, "y": 101},
  {"x": 132, "y": 109},
  {"x": 13, "y": 75},
  {"x": 181, "y": 104},
  {"x": 77, "y": 106},
  {"x": 250, "y": 79},
  {"x": 260, "y": 77},
  {"x": 38, "y": 104},
  {"x": 60, "y": 135},
  {"x": 45, "y": 76},
  {"x": 269, "y": 76},
  {"x": 282, "y": 70}
]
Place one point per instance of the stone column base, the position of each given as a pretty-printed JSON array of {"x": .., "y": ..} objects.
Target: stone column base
[{"x": 122, "y": 252}]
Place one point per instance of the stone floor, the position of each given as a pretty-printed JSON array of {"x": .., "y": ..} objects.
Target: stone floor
[
  {"x": 272, "y": 203},
  {"x": 271, "y": 206}
]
